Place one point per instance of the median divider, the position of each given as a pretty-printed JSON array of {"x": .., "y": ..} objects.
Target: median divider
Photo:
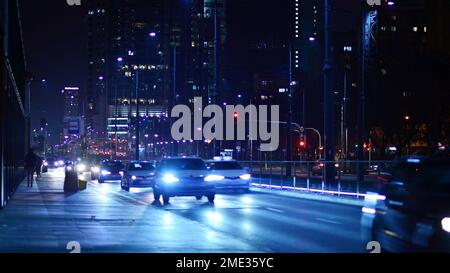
[{"x": 316, "y": 196}]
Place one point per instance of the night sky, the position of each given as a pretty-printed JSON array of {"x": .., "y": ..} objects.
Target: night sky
[{"x": 55, "y": 47}]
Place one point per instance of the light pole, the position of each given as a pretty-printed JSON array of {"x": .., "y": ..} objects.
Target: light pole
[
  {"x": 137, "y": 116},
  {"x": 216, "y": 67},
  {"x": 328, "y": 100},
  {"x": 289, "y": 146}
]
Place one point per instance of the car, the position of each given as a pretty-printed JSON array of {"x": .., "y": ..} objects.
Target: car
[
  {"x": 411, "y": 212},
  {"x": 54, "y": 162},
  {"x": 139, "y": 174},
  {"x": 110, "y": 171},
  {"x": 81, "y": 166},
  {"x": 235, "y": 176},
  {"x": 44, "y": 166},
  {"x": 318, "y": 167},
  {"x": 184, "y": 176},
  {"x": 69, "y": 166}
]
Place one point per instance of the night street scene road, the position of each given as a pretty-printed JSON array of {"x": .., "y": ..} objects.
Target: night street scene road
[{"x": 243, "y": 127}]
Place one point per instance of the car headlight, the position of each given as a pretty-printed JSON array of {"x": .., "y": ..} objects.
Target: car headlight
[
  {"x": 134, "y": 177},
  {"x": 245, "y": 176},
  {"x": 105, "y": 172},
  {"x": 60, "y": 163},
  {"x": 81, "y": 167},
  {"x": 45, "y": 164},
  {"x": 69, "y": 168},
  {"x": 170, "y": 178},
  {"x": 446, "y": 224},
  {"x": 95, "y": 169},
  {"x": 213, "y": 177}
]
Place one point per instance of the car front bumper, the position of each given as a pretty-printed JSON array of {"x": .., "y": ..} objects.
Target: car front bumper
[
  {"x": 142, "y": 183},
  {"x": 186, "y": 189},
  {"x": 110, "y": 177},
  {"x": 233, "y": 184}
]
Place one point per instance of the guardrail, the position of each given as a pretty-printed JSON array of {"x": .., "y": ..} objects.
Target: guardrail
[{"x": 308, "y": 176}]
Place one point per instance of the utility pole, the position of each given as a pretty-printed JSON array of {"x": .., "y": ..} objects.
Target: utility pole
[
  {"x": 137, "y": 115},
  {"x": 344, "y": 128},
  {"x": 289, "y": 144},
  {"x": 362, "y": 96},
  {"x": 328, "y": 100},
  {"x": 174, "y": 95},
  {"x": 216, "y": 67},
  {"x": 115, "y": 114}
]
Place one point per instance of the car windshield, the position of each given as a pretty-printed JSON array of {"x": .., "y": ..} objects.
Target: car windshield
[
  {"x": 184, "y": 164},
  {"x": 141, "y": 167},
  {"x": 225, "y": 165},
  {"x": 112, "y": 166}
]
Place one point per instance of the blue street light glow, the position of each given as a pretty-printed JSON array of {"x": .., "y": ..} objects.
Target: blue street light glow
[
  {"x": 152, "y": 34},
  {"x": 120, "y": 59},
  {"x": 390, "y": 3},
  {"x": 312, "y": 39},
  {"x": 413, "y": 160}
]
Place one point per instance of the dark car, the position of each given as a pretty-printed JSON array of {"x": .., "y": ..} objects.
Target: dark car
[
  {"x": 138, "y": 174},
  {"x": 411, "y": 212},
  {"x": 318, "y": 167},
  {"x": 184, "y": 177},
  {"x": 110, "y": 171}
]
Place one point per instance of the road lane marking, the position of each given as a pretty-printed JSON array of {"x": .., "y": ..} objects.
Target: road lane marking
[
  {"x": 328, "y": 221},
  {"x": 121, "y": 195},
  {"x": 275, "y": 210}
]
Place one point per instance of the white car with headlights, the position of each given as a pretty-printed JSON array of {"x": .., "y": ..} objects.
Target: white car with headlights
[
  {"x": 184, "y": 176},
  {"x": 138, "y": 174},
  {"x": 235, "y": 176}
]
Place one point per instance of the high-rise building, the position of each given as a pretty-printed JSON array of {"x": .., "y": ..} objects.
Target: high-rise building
[
  {"x": 71, "y": 101},
  {"x": 126, "y": 67}
]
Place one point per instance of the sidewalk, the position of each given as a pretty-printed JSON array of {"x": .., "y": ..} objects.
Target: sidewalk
[{"x": 44, "y": 219}]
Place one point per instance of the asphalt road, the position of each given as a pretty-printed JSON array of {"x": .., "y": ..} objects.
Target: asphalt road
[{"x": 106, "y": 219}]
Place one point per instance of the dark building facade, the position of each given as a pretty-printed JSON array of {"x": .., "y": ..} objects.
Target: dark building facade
[
  {"x": 155, "y": 53},
  {"x": 13, "y": 129}
]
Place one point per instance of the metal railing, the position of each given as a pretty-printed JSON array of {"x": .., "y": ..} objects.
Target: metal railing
[{"x": 309, "y": 176}]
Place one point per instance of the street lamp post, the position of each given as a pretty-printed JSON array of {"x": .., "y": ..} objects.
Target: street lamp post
[
  {"x": 137, "y": 115},
  {"x": 328, "y": 100},
  {"x": 289, "y": 146}
]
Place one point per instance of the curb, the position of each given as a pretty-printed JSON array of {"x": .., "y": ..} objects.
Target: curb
[{"x": 311, "y": 196}]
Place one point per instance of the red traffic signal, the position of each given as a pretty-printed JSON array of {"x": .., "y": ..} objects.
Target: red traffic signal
[
  {"x": 236, "y": 115},
  {"x": 302, "y": 142}
]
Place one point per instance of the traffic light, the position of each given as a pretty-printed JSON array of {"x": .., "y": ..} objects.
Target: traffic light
[
  {"x": 302, "y": 142},
  {"x": 236, "y": 115}
]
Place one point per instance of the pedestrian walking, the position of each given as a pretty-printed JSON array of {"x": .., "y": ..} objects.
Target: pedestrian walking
[
  {"x": 39, "y": 162},
  {"x": 30, "y": 166}
]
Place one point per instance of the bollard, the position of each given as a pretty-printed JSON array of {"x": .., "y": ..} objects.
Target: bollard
[{"x": 71, "y": 181}]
